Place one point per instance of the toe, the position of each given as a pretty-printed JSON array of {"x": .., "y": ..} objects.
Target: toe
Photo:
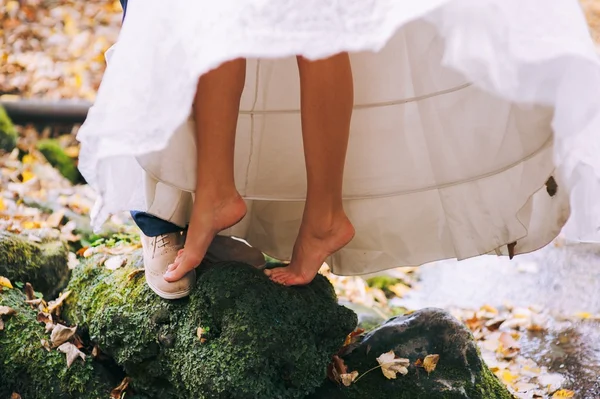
[
  {"x": 178, "y": 271},
  {"x": 281, "y": 278}
]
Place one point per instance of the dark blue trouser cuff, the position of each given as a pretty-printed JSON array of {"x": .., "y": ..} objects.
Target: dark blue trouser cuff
[{"x": 152, "y": 226}]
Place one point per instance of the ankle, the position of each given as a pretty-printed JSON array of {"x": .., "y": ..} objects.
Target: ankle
[
  {"x": 217, "y": 195},
  {"x": 326, "y": 223}
]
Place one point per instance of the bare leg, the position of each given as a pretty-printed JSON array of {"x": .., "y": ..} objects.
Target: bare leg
[
  {"x": 217, "y": 204},
  {"x": 326, "y": 105}
]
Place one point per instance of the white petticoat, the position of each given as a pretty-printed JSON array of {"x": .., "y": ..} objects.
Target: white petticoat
[{"x": 463, "y": 110}]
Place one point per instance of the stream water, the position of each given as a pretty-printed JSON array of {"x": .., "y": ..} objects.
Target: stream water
[{"x": 562, "y": 279}]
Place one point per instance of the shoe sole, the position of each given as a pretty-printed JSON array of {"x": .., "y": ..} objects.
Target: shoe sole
[{"x": 169, "y": 295}]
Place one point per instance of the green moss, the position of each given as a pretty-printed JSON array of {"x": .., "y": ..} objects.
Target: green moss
[
  {"x": 28, "y": 369},
  {"x": 263, "y": 340},
  {"x": 44, "y": 265},
  {"x": 8, "y": 133},
  {"x": 56, "y": 156}
]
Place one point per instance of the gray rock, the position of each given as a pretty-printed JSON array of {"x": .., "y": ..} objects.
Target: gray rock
[{"x": 460, "y": 372}]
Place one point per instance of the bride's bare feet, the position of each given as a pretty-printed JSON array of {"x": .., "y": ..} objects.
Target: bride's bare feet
[
  {"x": 209, "y": 217},
  {"x": 315, "y": 242}
]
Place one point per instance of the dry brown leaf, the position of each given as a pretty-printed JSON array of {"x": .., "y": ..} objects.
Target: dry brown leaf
[
  {"x": 4, "y": 282},
  {"x": 351, "y": 338},
  {"x": 348, "y": 378},
  {"x": 115, "y": 262},
  {"x": 15, "y": 396},
  {"x": 336, "y": 368},
  {"x": 76, "y": 340},
  {"x": 508, "y": 347},
  {"x": 55, "y": 219},
  {"x": 390, "y": 365},
  {"x": 118, "y": 391},
  {"x": 134, "y": 273},
  {"x": 72, "y": 352},
  {"x": 49, "y": 327},
  {"x": 29, "y": 292},
  {"x": 43, "y": 317},
  {"x": 474, "y": 323},
  {"x": 34, "y": 302},
  {"x": 95, "y": 351},
  {"x": 89, "y": 252},
  {"x": 55, "y": 306},
  {"x": 495, "y": 323},
  {"x": 430, "y": 363},
  {"x": 7, "y": 311},
  {"x": 61, "y": 334},
  {"x": 45, "y": 344},
  {"x": 201, "y": 333}
]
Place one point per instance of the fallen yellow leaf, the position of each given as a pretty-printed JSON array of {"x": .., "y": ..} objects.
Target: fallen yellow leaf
[
  {"x": 4, "y": 282},
  {"x": 563, "y": 393},
  {"x": 584, "y": 315},
  {"x": 507, "y": 377},
  {"x": 2, "y": 204},
  {"x": 72, "y": 152},
  {"x": 430, "y": 362},
  {"x": 28, "y": 159},
  {"x": 27, "y": 175},
  {"x": 489, "y": 308},
  {"x": 28, "y": 225}
]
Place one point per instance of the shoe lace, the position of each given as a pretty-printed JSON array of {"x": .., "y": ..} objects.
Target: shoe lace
[{"x": 160, "y": 242}]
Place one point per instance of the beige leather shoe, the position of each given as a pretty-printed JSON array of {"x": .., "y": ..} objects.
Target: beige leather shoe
[{"x": 160, "y": 252}]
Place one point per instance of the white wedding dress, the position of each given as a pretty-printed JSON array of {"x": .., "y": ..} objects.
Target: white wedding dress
[{"x": 463, "y": 111}]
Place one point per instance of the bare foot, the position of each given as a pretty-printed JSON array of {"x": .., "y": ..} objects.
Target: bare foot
[
  {"x": 209, "y": 217},
  {"x": 313, "y": 245}
]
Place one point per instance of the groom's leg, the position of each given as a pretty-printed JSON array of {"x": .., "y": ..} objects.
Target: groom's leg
[{"x": 162, "y": 225}]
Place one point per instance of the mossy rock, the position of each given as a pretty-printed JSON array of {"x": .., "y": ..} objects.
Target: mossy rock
[
  {"x": 8, "y": 133},
  {"x": 56, "y": 156},
  {"x": 44, "y": 265},
  {"x": 460, "y": 372},
  {"x": 260, "y": 340},
  {"x": 35, "y": 373}
]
